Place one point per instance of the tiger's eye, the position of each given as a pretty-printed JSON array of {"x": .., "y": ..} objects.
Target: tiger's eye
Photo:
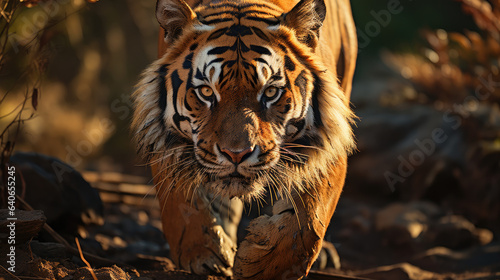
[
  {"x": 206, "y": 91},
  {"x": 271, "y": 92}
]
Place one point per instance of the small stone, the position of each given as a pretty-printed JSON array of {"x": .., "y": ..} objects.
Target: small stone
[
  {"x": 27, "y": 224},
  {"x": 48, "y": 250},
  {"x": 454, "y": 232},
  {"x": 105, "y": 273},
  {"x": 56, "y": 188},
  {"x": 407, "y": 220},
  {"x": 484, "y": 236}
]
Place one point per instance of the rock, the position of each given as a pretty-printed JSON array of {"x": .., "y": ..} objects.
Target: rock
[
  {"x": 456, "y": 232},
  {"x": 483, "y": 236},
  {"x": 152, "y": 263},
  {"x": 407, "y": 151},
  {"x": 401, "y": 271},
  {"x": 351, "y": 217},
  {"x": 402, "y": 223},
  {"x": 59, "y": 190},
  {"x": 453, "y": 232},
  {"x": 105, "y": 273},
  {"x": 399, "y": 215},
  {"x": 49, "y": 250},
  {"x": 444, "y": 260},
  {"x": 27, "y": 224}
]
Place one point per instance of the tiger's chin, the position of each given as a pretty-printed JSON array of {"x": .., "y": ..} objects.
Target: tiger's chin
[{"x": 241, "y": 187}]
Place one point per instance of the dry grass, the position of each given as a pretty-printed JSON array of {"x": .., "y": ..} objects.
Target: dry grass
[{"x": 458, "y": 68}]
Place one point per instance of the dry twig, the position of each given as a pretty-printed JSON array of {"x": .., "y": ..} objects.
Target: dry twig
[{"x": 84, "y": 260}]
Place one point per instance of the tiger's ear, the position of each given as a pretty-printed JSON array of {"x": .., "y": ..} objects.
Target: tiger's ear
[
  {"x": 173, "y": 16},
  {"x": 306, "y": 18}
]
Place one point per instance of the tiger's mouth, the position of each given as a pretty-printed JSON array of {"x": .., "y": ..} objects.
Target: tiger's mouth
[
  {"x": 235, "y": 184},
  {"x": 234, "y": 175},
  {"x": 235, "y": 178},
  {"x": 243, "y": 179}
]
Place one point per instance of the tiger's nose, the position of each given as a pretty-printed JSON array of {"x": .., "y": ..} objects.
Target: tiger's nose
[{"x": 237, "y": 157}]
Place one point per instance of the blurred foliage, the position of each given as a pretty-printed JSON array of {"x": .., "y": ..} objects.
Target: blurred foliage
[
  {"x": 458, "y": 73},
  {"x": 13, "y": 117},
  {"x": 458, "y": 67},
  {"x": 403, "y": 28},
  {"x": 91, "y": 57}
]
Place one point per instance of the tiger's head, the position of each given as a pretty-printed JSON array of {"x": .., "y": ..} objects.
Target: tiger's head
[{"x": 240, "y": 100}]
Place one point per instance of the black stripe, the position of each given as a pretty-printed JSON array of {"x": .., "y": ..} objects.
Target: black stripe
[
  {"x": 291, "y": 211},
  {"x": 218, "y": 50},
  {"x": 287, "y": 80},
  {"x": 275, "y": 77},
  {"x": 237, "y": 14},
  {"x": 286, "y": 109},
  {"x": 219, "y": 59},
  {"x": 238, "y": 30},
  {"x": 283, "y": 48},
  {"x": 260, "y": 14},
  {"x": 199, "y": 75},
  {"x": 216, "y": 34},
  {"x": 299, "y": 124},
  {"x": 217, "y": 20},
  {"x": 217, "y": 6},
  {"x": 243, "y": 47},
  {"x": 289, "y": 65},
  {"x": 318, "y": 122},
  {"x": 262, "y": 60},
  {"x": 176, "y": 83},
  {"x": 268, "y": 21},
  {"x": 240, "y": 6},
  {"x": 177, "y": 121},
  {"x": 189, "y": 85},
  {"x": 188, "y": 61},
  {"x": 244, "y": 6},
  {"x": 224, "y": 82},
  {"x": 312, "y": 140},
  {"x": 206, "y": 151},
  {"x": 260, "y": 50},
  {"x": 260, "y": 34}
]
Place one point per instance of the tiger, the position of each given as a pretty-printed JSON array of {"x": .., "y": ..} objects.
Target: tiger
[{"x": 248, "y": 99}]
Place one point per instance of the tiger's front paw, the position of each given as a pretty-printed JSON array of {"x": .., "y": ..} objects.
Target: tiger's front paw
[
  {"x": 210, "y": 251},
  {"x": 273, "y": 249}
]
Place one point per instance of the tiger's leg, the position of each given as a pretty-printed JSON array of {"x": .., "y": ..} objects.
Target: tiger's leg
[
  {"x": 229, "y": 212},
  {"x": 198, "y": 243},
  {"x": 285, "y": 245}
]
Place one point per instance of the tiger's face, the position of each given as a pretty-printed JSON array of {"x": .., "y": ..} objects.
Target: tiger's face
[{"x": 234, "y": 101}]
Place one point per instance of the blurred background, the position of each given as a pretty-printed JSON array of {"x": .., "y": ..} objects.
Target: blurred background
[{"x": 427, "y": 91}]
